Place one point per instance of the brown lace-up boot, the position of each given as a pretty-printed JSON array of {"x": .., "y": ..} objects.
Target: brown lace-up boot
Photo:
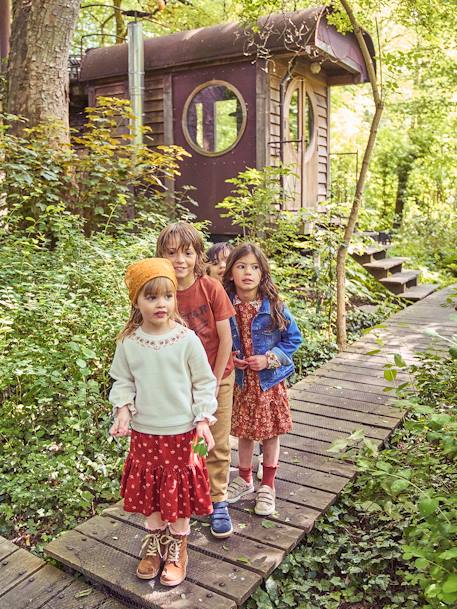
[
  {"x": 152, "y": 552},
  {"x": 174, "y": 571}
]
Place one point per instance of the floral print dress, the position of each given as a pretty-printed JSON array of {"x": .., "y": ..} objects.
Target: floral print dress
[{"x": 257, "y": 414}]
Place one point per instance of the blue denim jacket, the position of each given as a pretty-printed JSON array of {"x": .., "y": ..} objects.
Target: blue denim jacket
[{"x": 282, "y": 343}]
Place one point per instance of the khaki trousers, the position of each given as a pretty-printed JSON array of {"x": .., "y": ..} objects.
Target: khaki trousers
[{"x": 218, "y": 460}]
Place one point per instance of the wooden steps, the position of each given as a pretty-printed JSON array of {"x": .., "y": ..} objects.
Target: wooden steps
[
  {"x": 345, "y": 395},
  {"x": 389, "y": 272},
  {"x": 27, "y": 582}
]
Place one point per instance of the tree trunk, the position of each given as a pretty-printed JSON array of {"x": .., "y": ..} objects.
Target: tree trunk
[
  {"x": 121, "y": 29},
  {"x": 5, "y": 30},
  {"x": 341, "y": 333},
  {"x": 403, "y": 176},
  {"x": 41, "y": 36}
]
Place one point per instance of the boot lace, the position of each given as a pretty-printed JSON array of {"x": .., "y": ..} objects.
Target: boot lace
[
  {"x": 174, "y": 549},
  {"x": 151, "y": 544}
]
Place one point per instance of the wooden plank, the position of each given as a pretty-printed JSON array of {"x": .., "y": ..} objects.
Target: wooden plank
[
  {"x": 376, "y": 364},
  {"x": 318, "y": 432},
  {"x": 311, "y": 478},
  {"x": 355, "y": 416},
  {"x": 312, "y": 461},
  {"x": 153, "y": 105},
  {"x": 364, "y": 377},
  {"x": 203, "y": 570},
  {"x": 358, "y": 387},
  {"x": 304, "y": 419},
  {"x": 153, "y": 117},
  {"x": 344, "y": 403},
  {"x": 7, "y": 547},
  {"x": 153, "y": 95},
  {"x": 303, "y": 495},
  {"x": 35, "y": 591},
  {"x": 115, "y": 569},
  {"x": 286, "y": 512},
  {"x": 375, "y": 370},
  {"x": 304, "y": 444},
  {"x": 70, "y": 599},
  {"x": 380, "y": 359},
  {"x": 262, "y": 559},
  {"x": 345, "y": 398},
  {"x": 319, "y": 447},
  {"x": 17, "y": 567},
  {"x": 282, "y": 536},
  {"x": 390, "y": 350}
]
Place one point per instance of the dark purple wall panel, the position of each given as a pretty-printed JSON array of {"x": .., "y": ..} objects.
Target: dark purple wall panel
[{"x": 208, "y": 174}]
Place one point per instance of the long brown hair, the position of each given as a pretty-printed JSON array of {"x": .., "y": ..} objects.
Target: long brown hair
[
  {"x": 267, "y": 288},
  {"x": 185, "y": 235},
  {"x": 154, "y": 287}
]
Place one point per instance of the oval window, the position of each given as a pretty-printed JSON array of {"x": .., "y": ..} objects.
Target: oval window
[
  {"x": 214, "y": 118},
  {"x": 300, "y": 119}
]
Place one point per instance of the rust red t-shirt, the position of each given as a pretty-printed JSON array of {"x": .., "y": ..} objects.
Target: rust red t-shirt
[{"x": 201, "y": 306}]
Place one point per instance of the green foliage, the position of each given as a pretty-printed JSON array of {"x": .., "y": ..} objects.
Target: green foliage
[
  {"x": 390, "y": 540},
  {"x": 103, "y": 178},
  {"x": 308, "y": 241},
  {"x": 61, "y": 311}
]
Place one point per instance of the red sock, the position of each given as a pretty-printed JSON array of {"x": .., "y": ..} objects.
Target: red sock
[
  {"x": 246, "y": 474},
  {"x": 269, "y": 473}
]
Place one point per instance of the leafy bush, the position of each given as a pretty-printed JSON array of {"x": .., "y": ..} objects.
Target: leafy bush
[
  {"x": 61, "y": 311},
  {"x": 102, "y": 177},
  {"x": 301, "y": 247}
]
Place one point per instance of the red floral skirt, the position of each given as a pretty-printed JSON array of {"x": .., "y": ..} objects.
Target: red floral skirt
[{"x": 163, "y": 474}]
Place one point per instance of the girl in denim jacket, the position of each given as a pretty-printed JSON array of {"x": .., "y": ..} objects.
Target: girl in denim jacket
[{"x": 265, "y": 336}]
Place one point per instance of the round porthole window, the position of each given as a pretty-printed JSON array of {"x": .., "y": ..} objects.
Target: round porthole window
[{"x": 214, "y": 118}]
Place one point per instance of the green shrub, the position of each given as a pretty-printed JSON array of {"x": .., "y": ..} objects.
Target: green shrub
[{"x": 102, "y": 177}]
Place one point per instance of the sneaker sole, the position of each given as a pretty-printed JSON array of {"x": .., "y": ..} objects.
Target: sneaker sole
[
  {"x": 241, "y": 495},
  {"x": 265, "y": 512},
  {"x": 222, "y": 535}
]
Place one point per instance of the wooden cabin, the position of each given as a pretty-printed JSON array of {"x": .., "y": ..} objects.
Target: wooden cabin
[{"x": 235, "y": 99}]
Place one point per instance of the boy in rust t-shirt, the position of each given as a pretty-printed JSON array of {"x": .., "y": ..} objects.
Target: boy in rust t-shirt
[{"x": 206, "y": 308}]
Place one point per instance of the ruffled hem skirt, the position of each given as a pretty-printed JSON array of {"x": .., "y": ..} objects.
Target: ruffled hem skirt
[{"x": 163, "y": 474}]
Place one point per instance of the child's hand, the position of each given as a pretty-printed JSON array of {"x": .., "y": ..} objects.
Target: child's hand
[
  {"x": 257, "y": 362},
  {"x": 239, "y": 363},
  {"x": 204, "y": 432},
  {"x": 120, "y": 427}
]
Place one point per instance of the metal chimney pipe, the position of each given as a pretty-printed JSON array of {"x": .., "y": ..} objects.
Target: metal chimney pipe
[{"x": 136, "y": 78}]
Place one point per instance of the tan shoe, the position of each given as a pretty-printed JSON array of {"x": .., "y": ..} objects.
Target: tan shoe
[
  {"x": 174, "y": 571},
  {"x": 238, "y": 488},
  {"x": 265, "y": 501},
  {"x": 152, "y": 553}
]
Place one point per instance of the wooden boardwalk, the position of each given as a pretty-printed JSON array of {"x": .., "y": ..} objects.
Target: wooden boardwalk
[{"x": 344, "y": 395}]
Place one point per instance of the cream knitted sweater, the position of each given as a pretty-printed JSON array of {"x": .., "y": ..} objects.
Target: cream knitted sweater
[{"x": 167, "y": 378}]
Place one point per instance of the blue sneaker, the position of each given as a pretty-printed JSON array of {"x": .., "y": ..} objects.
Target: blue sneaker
[{"x": 221, "y": 523}]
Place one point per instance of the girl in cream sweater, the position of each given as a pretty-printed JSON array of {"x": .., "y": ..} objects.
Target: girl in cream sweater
[{"x": 164, "y": 391}]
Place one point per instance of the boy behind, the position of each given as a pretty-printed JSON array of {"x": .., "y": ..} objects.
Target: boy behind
[{"x": 206, "y": 308}]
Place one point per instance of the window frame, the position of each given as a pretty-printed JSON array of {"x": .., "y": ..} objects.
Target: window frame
[{"x": 191, "y": 96}]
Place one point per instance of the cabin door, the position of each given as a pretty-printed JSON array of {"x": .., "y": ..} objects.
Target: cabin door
[{"x": 298, "y": 145}]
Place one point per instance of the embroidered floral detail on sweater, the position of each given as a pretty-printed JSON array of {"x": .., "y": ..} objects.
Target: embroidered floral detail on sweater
[{"x": 158, "y": 344}]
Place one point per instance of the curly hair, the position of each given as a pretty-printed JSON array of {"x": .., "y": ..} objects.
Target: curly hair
[{"x": 267, "y": 288}]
